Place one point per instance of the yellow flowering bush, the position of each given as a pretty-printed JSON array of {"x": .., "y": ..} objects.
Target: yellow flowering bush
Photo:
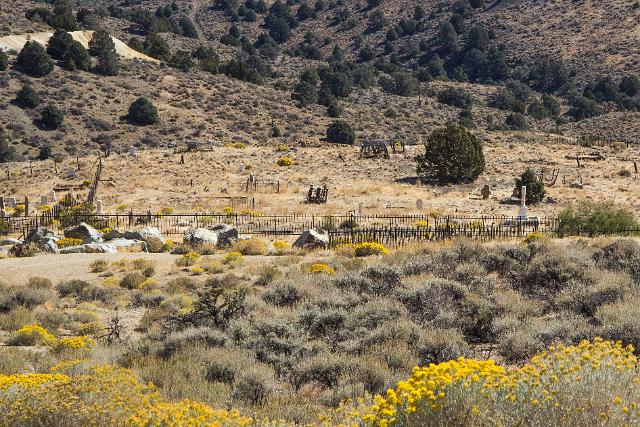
[
  {"x": 105, "y": 396},
  {"x": 284, "y": 161},
  {"x": 69, "y": 241},
  {"x": 73, "y": 343},
  {"x": 196, "y": 271},
  {"x": 228, "y": 210},
  {"x": 188, "y": 259},
  {"x": 533, "y": 236},
  {"x": 281, "y": 248},
  {"x": 233, "y": 258},
  {"x": 365, "y": 249},
  {"x": 421, "y": 224},
  {"x": 593, "y": 383},
  {"x": 149, "y": 285},
  {"x": 320, "y": 268},
  {"x": 32, "y": 334},
  {"x": 282, "y": 148},
  {"x": 44, "y": 208}
]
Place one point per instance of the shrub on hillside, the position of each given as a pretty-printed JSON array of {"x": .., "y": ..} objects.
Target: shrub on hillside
[
  {"x": 142, "y": 112},
  {"x": 452, "y": 154},
  {"x": 33, "y": 59},
  {"x": 76, "y": 57},
  {"x": 594, "y": 218},
  {"x": 341, "y": 132},
  {"x": 27, "y": 97},
  {"x": 6, "y": 150},
  {"x": 456, "y": 97},
  {"x": 52, "y": 117},
  {"x": 4, "y": 61},
  {"x": 108, "y": 63}
]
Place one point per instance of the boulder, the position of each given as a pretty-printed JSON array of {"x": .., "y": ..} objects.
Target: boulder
[
  {"x": 221, "y": 235},
  {"x": 79, "y": 249},
  {"x": 113, "y": 234},
  {"x": 150, "y": 235},
  {"x": 84, "y": 232},
  {"x": 100, "y": 248},
  {"x": 312, "y": 239},
  {"x": 39, "y": 233},
  {"x": 43, "y": 237},
  {"x": 127, "y": 245}
]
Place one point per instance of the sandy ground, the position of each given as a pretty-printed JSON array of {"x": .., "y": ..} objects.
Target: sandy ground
[
  {"x": 16, "y": 42},
  {"x": 72, "y": 266},
  {"x": 156, "y": 179}
]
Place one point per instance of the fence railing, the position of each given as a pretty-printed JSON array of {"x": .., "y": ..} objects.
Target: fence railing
[{"x": 391, "y": 230}]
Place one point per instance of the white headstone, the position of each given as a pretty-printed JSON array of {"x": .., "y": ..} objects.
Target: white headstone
[
  {"x": 71, "y": 173},
  {"x": 44, "y": 200},
  {"x": 99, "y": 207},
  {"x": 132, "y": 151},
  {"x": 419, "y": 204},
  {"x": 242, "y": 168},
  {"x": 10, "y": 202},
  {"x": 522, "y": 213},
  {"x": 360, "y": 208},
  {"x": 53, "y": 196}
]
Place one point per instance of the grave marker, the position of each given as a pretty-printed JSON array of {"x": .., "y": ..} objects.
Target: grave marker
[
  {"x": 419, "y": 204},
  {"x": 44, "y": 200},
  {"x": 522, "y": 213},
  {"x": 486, "y": 192}
]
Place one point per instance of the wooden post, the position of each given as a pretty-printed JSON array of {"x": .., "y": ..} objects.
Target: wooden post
[
  {"x": 578, "y": 161},
  {"x": 31, "y": 168},
  {"x": 1, "y": 202},
  {"x": 55, "y": 166},
  {"x": 635, "y": 166},
  {"x": 78, "y": 163},
  {"x": 26, "y": 206}
]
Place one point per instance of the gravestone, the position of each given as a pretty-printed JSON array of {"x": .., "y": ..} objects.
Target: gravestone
[
  {"x": 419, "y": 204},
  {"x": 53, "y": 197},
  {"x": 522, "y": 213},
  {"x": 360, "y": 208},
  {"x": 10, "y": 202},
  {"x": 71, "y": 173},
  {"x": 3, "y": 213},
  {"x": 99, "y": 207},
  {"x": 44, "y": 200},
  {"x": 486, "y": 192},
  {"x": 132, "y": 151}
]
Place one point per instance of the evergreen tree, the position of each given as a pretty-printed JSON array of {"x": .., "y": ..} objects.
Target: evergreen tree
[
  {"x": 52, "y": 117},
  {"x": 341, "y": 132},
  {"x": 452, "y": 155},
  {"x": 448, "y": 39},
  {"x": 188, "y": 28},
  {"x": 305, "y": 93},
  {"x": 108, "y": 63},
  {"x": 7, "y": 152},
  {"x": 535, "y": 187},
  {"x": 142, "y": 112},
  {"x": 101, "y": 42},
  {"x": 27, "y": 97},
  {"x": 63, "y": 17},
  {"x": 33, "y": 59},
  {"x": 136, "y": 44},
  {"x": 478, "y": 38},
  {"x": 76, "y": 58},
  {"x": 156, "y": 47},
  {"x": 59, "y": 43},
  {"x": 4, "y": 61}
]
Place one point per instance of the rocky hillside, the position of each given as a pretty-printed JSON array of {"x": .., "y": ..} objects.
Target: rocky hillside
[{"x": 233, "y": 70}]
